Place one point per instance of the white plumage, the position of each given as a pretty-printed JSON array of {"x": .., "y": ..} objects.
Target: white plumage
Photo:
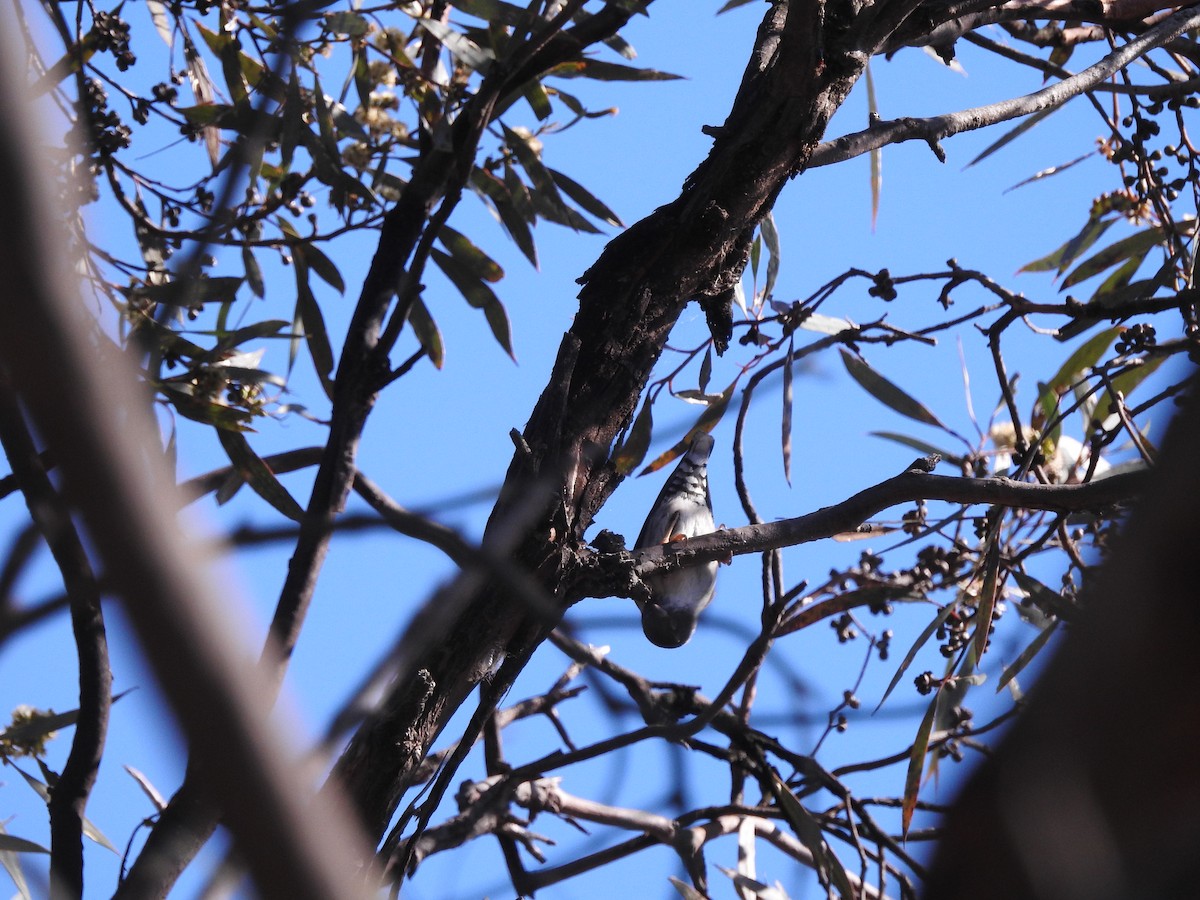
[{"x": 683, "y": 508}]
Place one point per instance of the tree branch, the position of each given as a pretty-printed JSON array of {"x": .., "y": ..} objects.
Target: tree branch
[
  {"x": 935, "y": 128},
  {"x": 52, "y": 516}
]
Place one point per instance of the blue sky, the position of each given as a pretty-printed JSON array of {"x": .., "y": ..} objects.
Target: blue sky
[{"x": 440, "y": 434}]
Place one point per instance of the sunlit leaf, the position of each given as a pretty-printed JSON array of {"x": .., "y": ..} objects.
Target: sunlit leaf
[
  {"x": 537, "y": 98},
  {"x": 637, "y": 441},
  {"x": 147, "y": 787},
  {"x": 12, "y": 865},
  {"x": 158, "y": 14},
  {"x": 886, "y": 392},
  {"x": 13, "y": 844},
  {"x": 427, "y": 333},
  {"x": 706, "y": 422},
  {"x": 823, "y": 324},
  {"x": 1136, "y": 245},
  {"x": 465, "y": 50},
  {"x": 607, "y": 71},
  {"x": 469, "y": 255},
  {"x": 877, "y": 153}
]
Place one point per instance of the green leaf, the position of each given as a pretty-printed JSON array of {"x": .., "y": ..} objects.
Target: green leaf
[
  {"x": 1060, "y": 259},
  {"x": 427, "y": 332},
  {"x": 544, "y": 193},
  {"x": 465, "y": 50},
  {"x": 480, "y": 296},
  {"x": 1134, "y": 246},
  {"x": 886, "y": 392},
  {"x": 312, "y": 322},
  {"x": 607, "y": 71},
  {"x": 938, "y": 620},
  {"x": 510, "y": 215},
  {"x": 808, "y": 830},
  {"x": 324, "y": 267},
  {"x": 254, "y": 276},
  {"x": 351, "y": 24},
  {"x": 258, "y": 474},
  {"x": 1027, "y": 655},
  {"x": 584, "y": 198},
  {"x": 537, "y": 98},
  {"x": 470, "y": 256},
  {"x": 916, "y": 764},
  {"x": 637, "y": 441}
]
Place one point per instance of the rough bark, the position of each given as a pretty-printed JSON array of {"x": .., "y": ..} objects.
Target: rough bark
[{"x": 692, "y": 248}]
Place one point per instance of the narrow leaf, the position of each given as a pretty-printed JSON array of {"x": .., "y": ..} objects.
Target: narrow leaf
[
  {"x": 308, "y": 313},
  {"x": 938, "y": 620},
  {"x": 427, "y": 332},
  {"x": 12, "y": 865},
  {"x": 469, "y": 255},
  {"x": 258, "y": 474},
  {"x": 465, "y": 50},
  {"x": 147, "y": 788},
  {"x": 807, "y": 829},
  {"x": 1134, "y": 245},
  {"x": 706, "y": 422},
  {"x": 1013, "y": 134},
  {"x": 877, "y": 153},
  {"x": 918, "y": 445},
  {"x": 1060, "y": 259},
  {"x": 787, "y": 414},
  {"x": 770, "y": 236},
  {"x": 886, "y": 392},
  {"x": 1026, "y": 656},
  {"x": 14, "y": 844},
  {"x": 705, "y": 370},
  {"x": 480, "y": 296},
  {"x": 916, "y": 764},
  {"x": 324, "y": 267},
  {"x": 607, "y": 71},
  {"x": 585, "y": 198},
  {"x": 637, "y": 441},
  {"x": 988, "y": 589}
]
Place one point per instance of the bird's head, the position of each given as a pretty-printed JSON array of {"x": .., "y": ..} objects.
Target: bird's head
[{"x": 669, "y": 628}]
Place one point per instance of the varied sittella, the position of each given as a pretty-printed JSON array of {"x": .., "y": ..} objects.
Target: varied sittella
[{"x": 683, "y": 510}]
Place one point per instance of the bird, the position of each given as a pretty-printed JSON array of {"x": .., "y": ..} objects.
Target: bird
[{"x": 683, "y": 510}]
